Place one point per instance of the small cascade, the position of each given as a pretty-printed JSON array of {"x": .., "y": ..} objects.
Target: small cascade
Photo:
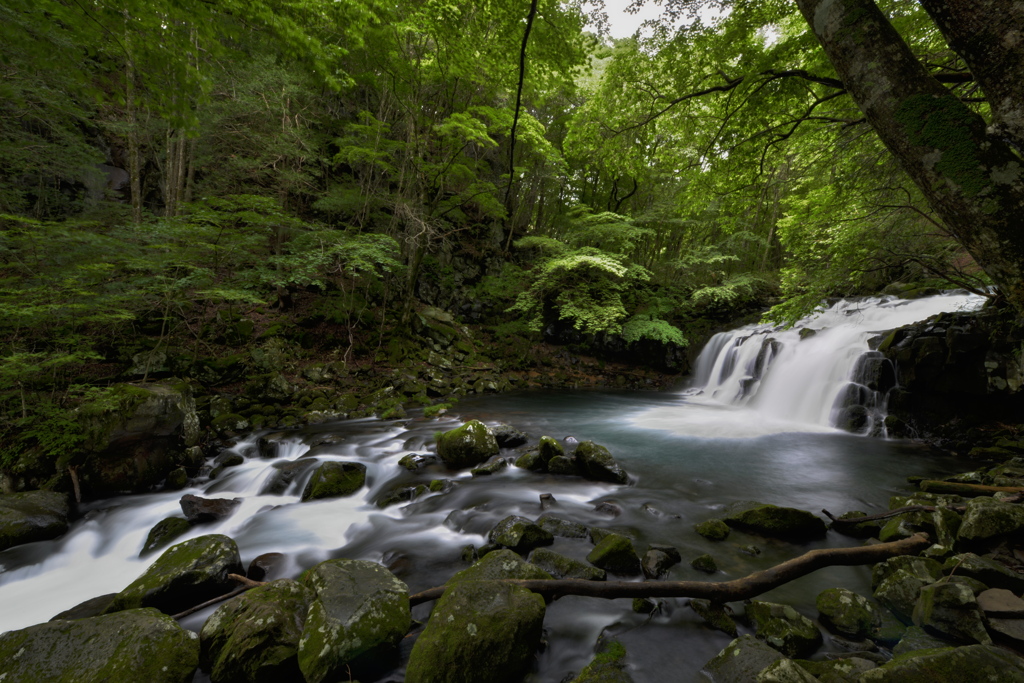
[{"x": 821, "y": 371}]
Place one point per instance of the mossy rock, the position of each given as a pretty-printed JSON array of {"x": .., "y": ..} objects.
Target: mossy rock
[
  {"x": 926, "y": 569},
  {"x": 466, "y": 446},
  {"x": 285, "y": 473},
  {"x": 176, "y": 480},
  {"x": 500, "y": 564},
  {"x": 860, "y": 530},
  {"x": 609, "y": 666},
  {"x": 563, "y": 465},
  {"x": 899, "y": 593},
  {"x": 616, "y": 554},
  {"x": 530, "y": 460},
  {"x": 334, "y": 480},
  {"x": 784, "y": 629},
  {"x": 705, "y": 563},
  {"x": 128, "y": 647},
  {"x": 519, "y": 534},
  {"x": 32, "y": 516},
  {"x": 916, "y": 639},
  {"x": 478, "y": 631},
  {"x": 402, "y": 494},
  {"x": 950, "y": 609},
  {"x": 741, "y": 661},
  {"x": 549, "y": 448},
  {"x": 562, "y": 567},
  {"x": 492, "y": 466},
  {"x": 354, "y": 626},
  {"x": 563, "y": 528},
  {"x": 163, "y": 532},
  {"x": 837, "y": 670},
  {"x": 988, "y": 520},
  {"x": 847, "y": 613},
  {"x": 255, "y": 637},
  {"x": 785, "y": 671},
  {"x": 596, "y": 463},
  {"x": 950, "y": 665},
  {"x": 713, "y": 529},
  {"x": 415, "y": 462},
  {"x": 186, "y": 574},
  {"x": 989, "y": 572},
  {"x": 778, "y": 522},
  {"x": 715, "y": 615}
]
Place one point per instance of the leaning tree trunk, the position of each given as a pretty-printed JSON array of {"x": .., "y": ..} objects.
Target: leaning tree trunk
[{"x": 972, "y": 179}]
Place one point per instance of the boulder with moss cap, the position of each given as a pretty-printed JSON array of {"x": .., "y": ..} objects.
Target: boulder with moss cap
[
  {"x": 354, "y": 625},
  {"x": 466, "y": 446},
  {"x": 789, "y": 524}
]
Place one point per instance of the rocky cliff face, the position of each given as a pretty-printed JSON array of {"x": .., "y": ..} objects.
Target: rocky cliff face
[{"x": 955, "y": 372}]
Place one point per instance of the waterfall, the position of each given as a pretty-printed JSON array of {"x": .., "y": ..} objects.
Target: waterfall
[{"x": 821, "y": 372}]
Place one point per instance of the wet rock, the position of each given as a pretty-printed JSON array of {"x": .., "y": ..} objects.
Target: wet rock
[
  {"x": 705, "y": 563},
  {"x": 564, "y": 528},
  {"x": 784, "y": 629},
  {"x": 471, "y": 444},
  {"x": 598, "y": 534},
  {"x": 713, "y": 529},
  {"x": 562, "y": 567},
  {"x": 128, "y": 647},
  {"x": 177, "y": 479},
  {"x": 950, "y": 610},
  {"x": 93, "y": 607},
  {"x": 562, "y": 465},
  {"x": 500, "y": 564},
  {"x": 163, "y": 532},
  {"x": 953, "y": 665},
  {"x": 785, "y": 671},
  {"x": 478, "y": 631},
  {"x": 715, "y": 615},
  {"x": 645, "y": 605},
  {"x": 987, "y": 519},
  {"x": 265, "y": 567},
  {"x": 549, "y": 448},
  {"x": 224, "y": 461},
  {"x": 285, "y": 473},
  {"x": 255, "y": 637},
  {"x": 609, "y": 666},
  {"x": 202, "y": 510},
  {"x": 335, "y": 480},
  {"x": 778, "y": 522},
  {"x": 658, "y": 560},
  {"x": 926, "y": 569},
  {"x": 861, "y": 530},
  {"x": 847, "y": 613},
  {"x": 403, "y": 494},
  {"x": 741, "y": 661},
  {"x": 186, "y": 574},
  {"x": 608, "y": 507},
  {"x": 899, "y": 592},
  {"x": 508, "y": 436},
  {"x": 492, "y": 466},
  {"x": 989, "y": 572},
  {"x": 596, "y": 463},
  {"x": 915, "y": 639},
  {"x": 32, "y": 516},
  {"x": 547, "y": 501},
  {"x": 519, "y": 534},
  {"x": 414, "y": 462},
  {"x": 353, "y": 627},
  {"x": 616, "y": 554},
  {"x": 530, "y": 460}
]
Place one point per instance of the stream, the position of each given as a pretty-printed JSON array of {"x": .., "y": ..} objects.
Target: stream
[{"x": 744, "y": 430}]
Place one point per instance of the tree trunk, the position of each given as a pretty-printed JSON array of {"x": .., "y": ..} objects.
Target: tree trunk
[
  {"x": 972, "y": 179},
  {"x": 134, "y": 155}
]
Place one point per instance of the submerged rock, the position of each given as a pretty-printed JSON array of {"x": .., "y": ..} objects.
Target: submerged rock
[
  {"x": 32, "y": 516},
  {"x": 562, "y": 567},
  {"x": 134, "y": 646},
  {"x": 658, "y": 560},
  {"x": 713, "y": 529},
  {"x": 778, "y": 522},
  {"x": 705, "y": 563},
  {"x": 185, "y": 575},
  {"x": 471, "y": 444},
  {"x": 519, "y": 534},
  {"x": 284, "y": 474},
  {"x": 478, "y": 631},
  {"x": 360, "y": 614},
  {"x": 334, "y": 480},
  {"x": 255, "y": 637}
]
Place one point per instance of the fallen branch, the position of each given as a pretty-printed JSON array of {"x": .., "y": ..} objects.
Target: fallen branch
[
  {"x": 932, "y": 486},
  {"x": 747, "y": 587},
  {"x": 246, "y": 585},
  {"x": 886, "y": 515}
]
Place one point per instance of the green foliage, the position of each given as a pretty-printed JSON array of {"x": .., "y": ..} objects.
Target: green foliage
[{"x": 644, "y": 326}]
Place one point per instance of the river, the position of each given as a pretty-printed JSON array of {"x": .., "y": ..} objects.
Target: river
[{"x": 735, "y": 435}]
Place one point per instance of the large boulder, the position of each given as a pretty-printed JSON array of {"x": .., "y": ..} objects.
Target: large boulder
[
  {"x": 950, "y": 610},
  {"x": 847, "y": 613},
  {"x": 989, "y": 572},
  {"x": 32, "y": 516},
  {"x": 201, "y": 510},
  {"x": 185, "y": 575},
  {"x": 128, "y": 647},
  {"x": 519, "y": 534},
  {"x": 334, "y": 480},
  {"x": 467, "y": 446},
  {"x": 741, "y": 661},
  {"x": 500, "y": 564},
  {"x": 478, "y": 631},
  {"x": 987, "y": 519},
  {"x": 899, "y": 593},
  {"x": 360, "y": 614},
  {"x": 255, "y": 637},
  {"x": 163, "y": 533},
  {"x": 778, "y": 522},
  {"x": 785, "y": 629},
  {"x": 615, "y": 553},
  {"x": 136, "y": 439},
  {"x": 952, "y": 665},
  {"x": 593, "y": 461}
]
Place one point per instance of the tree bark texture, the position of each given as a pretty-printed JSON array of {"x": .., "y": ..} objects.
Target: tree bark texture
[{"x": 972, "y": 179}]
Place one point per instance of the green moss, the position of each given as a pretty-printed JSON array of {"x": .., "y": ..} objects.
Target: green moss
[
  {"x": 466, "y": 446},
  {"x": 335, "y": 479},
  {"x": 713, "y": 529}
]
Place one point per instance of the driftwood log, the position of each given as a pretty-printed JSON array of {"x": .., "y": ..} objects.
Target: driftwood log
[
  {"x": 749, "y": 586},
  {"x": 886, "y": 515},
  {"x": 969, "y": 490}
]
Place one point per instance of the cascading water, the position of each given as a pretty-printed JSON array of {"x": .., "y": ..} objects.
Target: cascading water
[
  {"x": 759, "y": 382},
  {"x": 821, "y": 372}
]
